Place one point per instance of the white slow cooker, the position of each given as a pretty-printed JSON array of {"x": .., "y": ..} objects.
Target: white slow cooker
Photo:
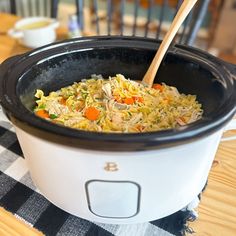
[{"x": 110, "y": 177}]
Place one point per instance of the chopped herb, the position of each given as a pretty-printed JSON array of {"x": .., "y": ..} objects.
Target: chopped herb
[
  {"x": 42, "y": 106},
  {"x": 53, "y": 116}
]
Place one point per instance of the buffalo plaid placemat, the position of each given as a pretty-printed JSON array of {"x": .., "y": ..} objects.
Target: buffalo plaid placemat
[{"x": 19, "y": 196}]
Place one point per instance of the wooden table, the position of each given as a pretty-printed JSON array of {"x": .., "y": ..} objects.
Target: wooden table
[
  {"x": 9, "y": 46},
  {"x": 217, "y": 210}
]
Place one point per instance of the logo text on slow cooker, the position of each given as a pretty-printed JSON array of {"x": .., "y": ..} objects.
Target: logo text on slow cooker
[{"x": 111, "y": 166}]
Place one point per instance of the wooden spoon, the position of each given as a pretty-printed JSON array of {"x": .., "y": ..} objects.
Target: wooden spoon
[{"x": 182, "y": 13}]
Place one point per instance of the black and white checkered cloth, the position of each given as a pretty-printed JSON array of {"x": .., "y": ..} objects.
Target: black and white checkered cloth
[{"x": 19, "y": 196}]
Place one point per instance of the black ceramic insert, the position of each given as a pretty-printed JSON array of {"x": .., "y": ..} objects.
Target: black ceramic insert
[{"x": 60, "y": 64}]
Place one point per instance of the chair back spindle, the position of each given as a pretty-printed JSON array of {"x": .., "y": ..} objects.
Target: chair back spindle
[
  {"x": 117, "y": 18},
  {"x": 95, "y": 11},
  {"x": 26, "y": 8},
  {"x": 196, "y": 21},
  {"x": 109, "y": 16},
  {"x": 161, "y": 19},
  {"x": 136, "y": 8},
  {"x": 80, "y": 8},
  {"x": 122, "y": 14},
  {"x": 149, "y": 14}
]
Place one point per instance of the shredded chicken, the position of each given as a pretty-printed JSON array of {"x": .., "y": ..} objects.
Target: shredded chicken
[
  {"x": 107, "y": 89},
  {"x": 118, "y": 104}
]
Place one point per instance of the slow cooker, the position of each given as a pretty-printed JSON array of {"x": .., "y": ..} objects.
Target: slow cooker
[{"x": 118, "y": 177}]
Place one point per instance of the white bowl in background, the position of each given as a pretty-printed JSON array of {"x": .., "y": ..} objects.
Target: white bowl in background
[{"x": 35, "y": 32}]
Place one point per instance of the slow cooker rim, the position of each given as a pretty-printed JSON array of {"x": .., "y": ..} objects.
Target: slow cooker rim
[{"x": 196, "y": 129}]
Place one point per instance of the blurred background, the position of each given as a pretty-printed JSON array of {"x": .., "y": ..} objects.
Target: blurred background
[{"x": 209, "y": 27}]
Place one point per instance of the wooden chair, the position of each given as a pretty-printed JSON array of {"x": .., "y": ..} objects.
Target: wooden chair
[
  {"x": 146, "y": 18},
  {"x": 26, "y": 8}
]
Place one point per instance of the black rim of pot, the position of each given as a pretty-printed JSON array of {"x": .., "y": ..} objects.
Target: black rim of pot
[{"x": 13, "y": 106}]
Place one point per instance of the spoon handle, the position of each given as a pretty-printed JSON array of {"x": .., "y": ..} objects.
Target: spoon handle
[{"x": 182, "y": 13}]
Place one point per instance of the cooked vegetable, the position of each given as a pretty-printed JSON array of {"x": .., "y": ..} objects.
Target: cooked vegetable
[
  {"x": 91, "y": 113},
  {"x": 158, "y": 86},
  {"x": 42, "y": 113},
  {"x": 128, "y": 101},
  {"x": 52, "y": 116},
  {"x": 117, "y": 104}
]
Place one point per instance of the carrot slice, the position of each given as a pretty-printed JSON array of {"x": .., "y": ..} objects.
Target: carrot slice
[
  {"x": 92, "y": 113},
  {"x": 128, "y": 101},
  {"x": 158, "y": 87},
  {"x": 138, "y": 99},
  {"x": 140, "y": 127},
  {"x": 62, "y": 101},
  {"x": 42, "y": 113}
]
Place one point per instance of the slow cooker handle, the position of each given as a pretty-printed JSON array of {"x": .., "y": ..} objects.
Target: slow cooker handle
[
  {"x": 230, "y": 67},
  {"x": 231, "y": 126},
  {"x": 4, "y": 67},
  {"x": 9, "y": 62}
]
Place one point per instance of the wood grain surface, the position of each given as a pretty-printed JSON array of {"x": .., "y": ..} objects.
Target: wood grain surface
[
  {"x": 10, "y": 226},
  {"x": 217, "y": 209}
]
